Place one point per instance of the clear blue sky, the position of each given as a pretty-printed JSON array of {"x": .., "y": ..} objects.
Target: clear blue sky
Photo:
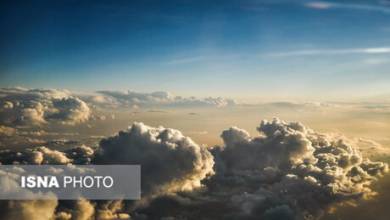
[{"x": 225, "y": 48}]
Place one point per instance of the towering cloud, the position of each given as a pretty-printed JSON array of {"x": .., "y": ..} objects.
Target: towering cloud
[
  {"x": 301, "y": 169},
  {"x": 170, "y": 161}
]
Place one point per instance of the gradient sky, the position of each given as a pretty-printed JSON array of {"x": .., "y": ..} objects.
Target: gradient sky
[{"x": 237, "y": 49}]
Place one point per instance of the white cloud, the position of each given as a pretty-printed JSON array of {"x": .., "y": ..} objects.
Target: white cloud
[
  {"x": 323, "y": 5},
  {"x": 319, "y": 5},
  {"x": 170, "y": 161},
  {"x": 162, "y": 99},
  {"x": 319, "y": 52},
  {"x": 37, "y": 107}
]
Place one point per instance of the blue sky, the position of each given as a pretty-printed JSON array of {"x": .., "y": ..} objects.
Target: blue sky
[{"x": 221, "y": 48}]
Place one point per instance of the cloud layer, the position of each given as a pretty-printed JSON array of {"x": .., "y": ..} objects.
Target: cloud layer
[
  {"x": 136, "y": 99},
  {"x": 288, "y": 171},
  {"x": 330, "y": 52}
]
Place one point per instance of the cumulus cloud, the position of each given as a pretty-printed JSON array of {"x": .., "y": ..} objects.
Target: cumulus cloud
[
  {"x": 81, "y": 209},
  {"x": 283, "y": 146},
  {"x": 288, "y": 171},
  {"x": 309, "y": 171},
  {"x": 23, "y": 210},
  {"x": 46, "y": 209},
  {"x": 37, "y": 106},
  {"x": 111, "y": 210},
  {"x": 161, "y": 98},
  {"x": 170, "y": 161},
  {"x": 43, "y": 155}
]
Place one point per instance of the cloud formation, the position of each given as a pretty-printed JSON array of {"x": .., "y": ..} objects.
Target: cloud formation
[
  {"x": 21, "y": 106},
  {"x": 308, "y": 170},
  {"x": 170, "y": 161},
  {"x": 288, "y": 171},
  {"x": 136, "y": 99},
  {"x": 43, "y": 155}
]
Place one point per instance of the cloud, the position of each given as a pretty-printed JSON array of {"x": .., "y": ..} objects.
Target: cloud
[
  {"x": 23, "y": 210},
  {"x": 164, "y": 99},
  {"x": 319, "y": 5},
  {"x": 80, "y": 210},
  {"x": 288, "y": 171},
  {"x": 324, "y": 5},
  {"x": 22, "y": 136},
  {"x": 328, "y": 52},
  {"x": 371, "y": 148},
  {"x": 170, "y": 161},
  {"x": 180, "y": 60},
  {"x": 111, "y": 210},
  {"x": 185, "y": 60},
  {"x": 283, "y": 145},
  {"x": 313, "y": 170},
  {"x": 43, "y": 155},
  {"x": 28, "y": 210},
  {"x": 37, "y": 107},
  {"x": 7, "y": 131},
  {"x": 279, "y": 212},
  {"x": 49, "y": 208},
  {"x": 45, "y": 107}
]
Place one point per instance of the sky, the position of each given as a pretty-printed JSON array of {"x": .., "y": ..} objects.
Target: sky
[
  {"x": 239, "y": 49},
  {"x": 272, "y": 52}
]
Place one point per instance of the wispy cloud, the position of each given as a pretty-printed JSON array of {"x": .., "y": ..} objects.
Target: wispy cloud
[
  {"x": 185, "y": 60},
  {"x": 319, "y": 5},
  {"x": 200, "y": 58},
  {"x": 319, "y": 52},
  {"x": 323, "y": 5}
]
